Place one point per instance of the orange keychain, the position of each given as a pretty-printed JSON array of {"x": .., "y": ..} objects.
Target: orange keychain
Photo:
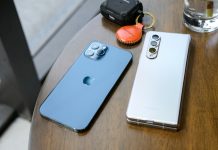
[{"x": 132, "y": 34}]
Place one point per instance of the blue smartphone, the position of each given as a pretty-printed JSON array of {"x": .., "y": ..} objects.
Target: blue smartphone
[{"x": 78, "y": 96}]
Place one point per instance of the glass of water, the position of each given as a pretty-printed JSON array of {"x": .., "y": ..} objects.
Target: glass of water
[{"x": 201, "y": 15}]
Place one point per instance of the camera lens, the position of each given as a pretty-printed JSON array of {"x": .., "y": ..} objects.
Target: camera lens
[
  {"x": 95, "y": 46},
  {"x": 153, "y": 43},
  {"x": 100, "y": 52},
  {"x": 155, "y": 37},
  {"x": 89, "y": 52},
  {"x": 152, "y": 50}
]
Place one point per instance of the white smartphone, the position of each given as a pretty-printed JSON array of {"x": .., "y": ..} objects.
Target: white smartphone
[{"x": 158, "y": 87}]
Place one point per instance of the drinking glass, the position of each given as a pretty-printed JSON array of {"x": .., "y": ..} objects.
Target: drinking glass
[{"x": 201, "y": 15}]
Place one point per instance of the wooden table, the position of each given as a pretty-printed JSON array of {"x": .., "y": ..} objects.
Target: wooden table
[{"x": 110, "y": 130}]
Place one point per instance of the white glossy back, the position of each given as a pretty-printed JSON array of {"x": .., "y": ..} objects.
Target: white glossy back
[{"x": 157, "y": 89}]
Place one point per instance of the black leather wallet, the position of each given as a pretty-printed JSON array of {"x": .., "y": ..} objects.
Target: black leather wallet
[{"x": 122, "y": 12}]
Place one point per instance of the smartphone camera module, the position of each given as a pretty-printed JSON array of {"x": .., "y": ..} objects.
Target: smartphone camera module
[
  {"x": 96, "y": 51},
  {"x": 153, "y": 46}
]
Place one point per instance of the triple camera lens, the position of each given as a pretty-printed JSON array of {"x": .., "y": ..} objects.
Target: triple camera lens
[
  {"x": 154, "y": 43},
  {"x": 96, "y": 50},
  {"x": 152, "y": 51}
]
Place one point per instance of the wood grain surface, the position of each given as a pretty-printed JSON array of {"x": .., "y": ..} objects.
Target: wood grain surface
[{"x": 110, "y": 130}]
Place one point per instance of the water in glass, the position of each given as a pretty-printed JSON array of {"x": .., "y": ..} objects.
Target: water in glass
[{"x": 201, "y": 15}]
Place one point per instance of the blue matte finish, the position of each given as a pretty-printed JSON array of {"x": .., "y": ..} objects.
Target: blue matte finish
[{"x": 78, "y": 96}]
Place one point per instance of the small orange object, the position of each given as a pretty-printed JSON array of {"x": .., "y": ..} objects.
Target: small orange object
[{"x": 130, "y": 34}]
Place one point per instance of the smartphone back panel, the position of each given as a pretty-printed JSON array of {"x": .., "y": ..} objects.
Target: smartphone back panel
[
  {"x": 157, "y": 90},
  {"x": 78, "y": 96}
]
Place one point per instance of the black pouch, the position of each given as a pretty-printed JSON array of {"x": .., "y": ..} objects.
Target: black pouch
[{"x": 122, "y": 12}]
